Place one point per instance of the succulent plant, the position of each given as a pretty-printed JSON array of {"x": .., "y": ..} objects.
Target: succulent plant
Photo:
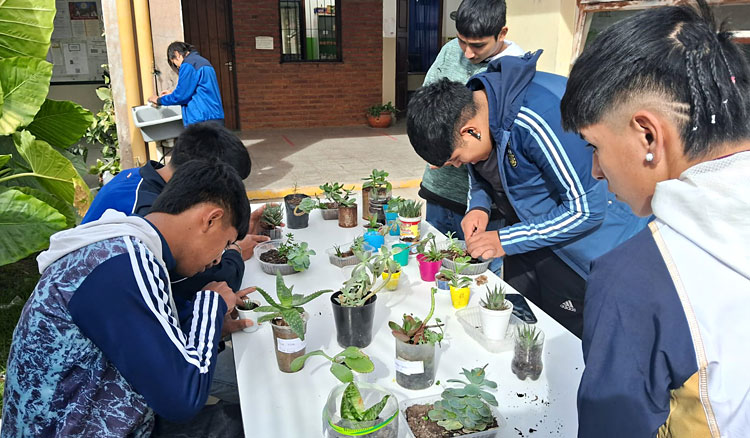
[
  {"x": 272, "y": 215},
  {"x": 360, "y": 286},
  {"x": 331, "y": 190},
  {"x": 466, "y": 407},
  {"x": 433, "y": 254},
  {"x": 528, "y": 336},
  {"x": 454, "y": 275},
  {"x": 410, "y": 208},
  {"x": 494, "y": 299},
  {"x": 297, "y": 253},
  {"x": 377, "y": 180},
  {"x": 414, "y": 331},
  {"x": 345, "y": 199}
]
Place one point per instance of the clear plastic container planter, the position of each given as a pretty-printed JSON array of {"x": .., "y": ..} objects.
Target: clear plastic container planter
[
  {"x": 272, "y": 268},
  {"x": 527, "y": 359},
  {"x": 287, "y": 344},
  {"x": 490, "y": 433},
  {"x": 385, "y": 426},
  {"x": 346, "y": 261},
  {"x": 415, "y": 365},
  {"x": 273, "y": 233},
  {"x": 331, "y": 212}
]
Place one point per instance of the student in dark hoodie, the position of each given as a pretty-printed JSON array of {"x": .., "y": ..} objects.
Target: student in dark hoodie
[
  {"x": 197, "y": 89},
  {"x": 504, "y": 125}
]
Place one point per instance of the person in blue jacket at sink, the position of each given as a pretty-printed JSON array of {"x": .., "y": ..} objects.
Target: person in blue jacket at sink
[
  {"x": 504, "y": 124},
  {"x": 197, "y": 89}
]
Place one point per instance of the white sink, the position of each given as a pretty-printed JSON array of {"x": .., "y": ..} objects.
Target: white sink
[{"x": 160, "y": 123}]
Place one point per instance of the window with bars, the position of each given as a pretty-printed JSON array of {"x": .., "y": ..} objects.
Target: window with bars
[{"x": 310, "y": 30}]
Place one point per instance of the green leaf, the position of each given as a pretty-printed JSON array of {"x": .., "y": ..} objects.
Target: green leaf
[
  {"x": 268, "y": 299},
  {"x": 60, "y": 123},
  {"x": 451, "y": 424},
  {"x": 59, "y": 176},
  {"x": 311, "y": 297},
  {"x": 297, "y": 363},
  {"x": 283, "y": 292},
  {"x": 295, "y": 321},
  {"x": 26, "y": 225},
  {"x": 268, "y": 317},
  {"x": 352, "y": 352},
  {"x": 265, "y": 309},
  {"x": 4, "y": 159},
  {"x": 104, "y": 93},
  {"x": 26, "y": 27},
  {"x": 360, "y": 365},
  {"x": 341, "y": 372},
  {"x": 53, "y": 201},
  {"x": 372, "y": 413},
  {"x": 352, "y": 405},
  {"x": 25, "y": 84},
  {"x": 489, "y": 398}
]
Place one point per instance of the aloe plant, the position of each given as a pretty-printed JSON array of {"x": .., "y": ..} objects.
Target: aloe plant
[
  {"x": 414, "y": 331},
  {"x": 410, "y": 208},
  {"x": 351, "y": 359},
  {"x": 466, "y": 407},
  {"x": 288, "y": 307},
  {"x": 494, "y": 299}
]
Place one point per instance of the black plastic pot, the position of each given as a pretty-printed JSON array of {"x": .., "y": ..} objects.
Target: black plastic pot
[
  {"x": 353, "y": 324},
  {"x": 294, "y": 221}
]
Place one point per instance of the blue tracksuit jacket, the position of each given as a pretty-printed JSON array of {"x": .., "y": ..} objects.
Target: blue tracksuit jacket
[{"x": 197, "y": 91}]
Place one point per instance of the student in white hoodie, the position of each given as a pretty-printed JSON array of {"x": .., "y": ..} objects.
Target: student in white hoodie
[{"x": 664, "y": 100}]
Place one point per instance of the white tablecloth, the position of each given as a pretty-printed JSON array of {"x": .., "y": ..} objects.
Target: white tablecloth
[{"x": 281, "y": 405}]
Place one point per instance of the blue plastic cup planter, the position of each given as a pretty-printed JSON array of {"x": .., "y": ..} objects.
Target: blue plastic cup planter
[
  {"x": 391, "y": 219},
  {"x": 374, "y": 239}
]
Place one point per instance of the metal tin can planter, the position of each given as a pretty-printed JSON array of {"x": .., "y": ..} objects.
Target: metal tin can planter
[
  {"x": 460, "y": 297},
  {"x": 393, "y": 282},
  {"x": 295, "y": 220},
  {"x": 385, "y": 426},
  {"x": 249, "y": 314},
  {"x": 287, "y": 344},
  {"x": 353, "y": 324},
  {"x": 428, "y": 270},
  {"x": 415, "y": 365},
  {"x": 348, "y": 216},
  {"x": 330, "y": 212},
  {"x": 527, "y": 353}
]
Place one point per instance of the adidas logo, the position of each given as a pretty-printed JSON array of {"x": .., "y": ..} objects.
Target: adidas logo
[{"x": 568, "y": 305}]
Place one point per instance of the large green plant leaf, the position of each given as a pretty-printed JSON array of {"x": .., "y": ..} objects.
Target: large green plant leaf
[
  {"x": 54, "y": 172},
  {"x": 25, "y": 84},
  {"x": 53, "y": 201},
  {"x": 26, "y": 224},
  {"x": 26, "y": 27},
  {"x": 60, "y": 123}
]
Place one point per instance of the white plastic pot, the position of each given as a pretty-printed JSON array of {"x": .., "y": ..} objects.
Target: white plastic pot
[
  {"x": 495, "y": 322},
  {"x": 251, "y": 315}
]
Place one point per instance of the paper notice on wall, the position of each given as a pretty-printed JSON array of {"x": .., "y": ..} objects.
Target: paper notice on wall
[
  {"x": 93, "y": 28},
  {"x": 78, "y": 28},
  {"x": 409, "y": 367},
  {"x": 290, "y": 345},
  {"x": 76, "y": 59},
  {"x": 61, "y": 23},
  {"x": 97, "y": 49},
  {"x": 263, "y": 43},
  {"x": 58, "y": 60}
]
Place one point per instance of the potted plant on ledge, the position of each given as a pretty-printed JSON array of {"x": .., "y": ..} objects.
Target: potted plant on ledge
[
  {"x": 415, "y": 349},
  {"x": 288, "y": 320},
  {"x": 284, "y": 257},
  {"x": 380, "y": 116}
]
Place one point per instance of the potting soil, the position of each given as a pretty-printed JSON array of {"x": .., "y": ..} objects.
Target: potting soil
[
  {"x": 421, "y": 428},
  {"x": 273, "y": 257}
]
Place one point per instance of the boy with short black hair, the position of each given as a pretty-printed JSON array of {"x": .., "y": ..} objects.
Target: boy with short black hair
[{"x": 99, "y": 349}]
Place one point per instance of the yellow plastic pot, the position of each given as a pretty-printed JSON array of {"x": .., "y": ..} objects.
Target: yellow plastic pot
[
  {"x": 460, "y": 297},
  {"x": 392, "y": 284}
]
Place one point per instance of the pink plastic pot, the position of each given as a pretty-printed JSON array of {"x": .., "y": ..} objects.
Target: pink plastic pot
[{"x": 428, "y": 270}]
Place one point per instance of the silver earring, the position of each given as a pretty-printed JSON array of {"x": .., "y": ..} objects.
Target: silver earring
[{"x": 649, "y": 157}]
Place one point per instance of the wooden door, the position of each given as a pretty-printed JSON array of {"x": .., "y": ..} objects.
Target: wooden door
[
  {"x": 208, "y": 26},
  {"x": 402, "y": 54}
]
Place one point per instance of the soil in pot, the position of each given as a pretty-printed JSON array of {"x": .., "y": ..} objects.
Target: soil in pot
[
  {"x": 452, "y": 255},
  {"x": 421, "y": 428},
  {"x": 248, "y": 305},
  {"x": 348, "y": 217},
  {"x": 272, "y": 256},
  {"x": 527, "y": 362},
  {"x": 353, "y": 324},
  {"x": 288, "y": 345}
]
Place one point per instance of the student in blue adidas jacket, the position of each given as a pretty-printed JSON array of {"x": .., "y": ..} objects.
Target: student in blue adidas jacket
[
  {"x": 506, "y": 128},
  {"x": 197, "y": 89}
]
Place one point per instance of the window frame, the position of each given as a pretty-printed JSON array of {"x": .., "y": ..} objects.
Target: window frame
[{"x": 284, "y": 58}]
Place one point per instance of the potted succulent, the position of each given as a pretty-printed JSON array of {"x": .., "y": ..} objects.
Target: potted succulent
[
  {"x": 527, "y": 352},
  {"x": 430, "y": 260},
  {"x": 375, "y": 233},
  {"x": 495, "y": 313},
  {"x": 246, "y": 311},
  {"x": 380, "y": 116},
  {"x": 409, "y": 218},
  {"x": 298, "y": 214},
  {"x": 346, "y": 412},
  {"x": 391, "y": 276},
  {"x": 467, "y": 410},
  {"x": 348, "y": 257},
  {"x": 415, "y": 349},
  {"x": 271, "y": 220},
  {"x": 347, "y": 209},
  {"x": 329, "y": 208},
  {"x": 391, "y": 215},
  {"x": 288, "y": 321},
  {"x": 285, "y": 257},
  {"x": 460, "y": 285},
  {"x": 455, "y": 249},
  {"x": 354, "y": 304},
  {"x": 374, "y": 186}
]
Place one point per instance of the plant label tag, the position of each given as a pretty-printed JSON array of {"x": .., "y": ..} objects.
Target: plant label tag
[
  {"x": 409, "y": 367},
  {"x": 290, "y": 345}
]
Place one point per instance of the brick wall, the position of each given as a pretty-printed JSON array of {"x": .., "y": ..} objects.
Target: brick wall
[{"x": 303, "y": 94}]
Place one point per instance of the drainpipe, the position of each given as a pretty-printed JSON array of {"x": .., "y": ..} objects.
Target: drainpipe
[
  {"x": 130, "y": 77},
  {"x": 145, "y": 55}
]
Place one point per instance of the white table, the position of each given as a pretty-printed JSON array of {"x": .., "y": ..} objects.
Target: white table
[{"x": 280, "y": 405}]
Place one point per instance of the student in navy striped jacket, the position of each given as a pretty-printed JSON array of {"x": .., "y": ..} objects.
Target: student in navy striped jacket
[
  {"x": 99, "y": 349},
  {"x": 505, "y": 126}
]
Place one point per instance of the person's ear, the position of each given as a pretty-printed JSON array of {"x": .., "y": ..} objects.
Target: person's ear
[
  {"x": 503, "y": 33},
  {"x": 212, "y": 218},
  {"x": 651, "y": 138},
  {"x": 471, "y": 130}
]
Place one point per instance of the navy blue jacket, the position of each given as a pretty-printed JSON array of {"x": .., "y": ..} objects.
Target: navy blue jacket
[
  {"x": 545, "y": 172},
  {"x": 197, "y": 91}
]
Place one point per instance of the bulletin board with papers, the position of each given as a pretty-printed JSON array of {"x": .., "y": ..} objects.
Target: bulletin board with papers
[{"x": 78, "y": 49}]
